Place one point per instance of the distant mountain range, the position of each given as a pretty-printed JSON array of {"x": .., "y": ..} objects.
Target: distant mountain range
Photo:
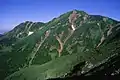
[
  {"x": 73, "y": 44},
  {"x": 1, "y": 35}
]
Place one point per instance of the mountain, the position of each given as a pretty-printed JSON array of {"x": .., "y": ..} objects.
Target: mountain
[
  {"x": 21, "y": 31},
  {"x": 25, "y": 29},
  {"x": 52, "y": 49}
]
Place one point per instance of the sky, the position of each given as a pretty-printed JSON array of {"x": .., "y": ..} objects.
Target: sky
[{"x": 14, "y": 12}]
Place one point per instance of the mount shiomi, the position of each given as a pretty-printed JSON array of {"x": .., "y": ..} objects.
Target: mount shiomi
[{"x": 72, "y": 45}]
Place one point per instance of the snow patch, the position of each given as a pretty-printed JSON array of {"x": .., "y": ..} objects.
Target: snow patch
[
  {"x": 30, "y": 32},
  {"x": 73, "y": 28},
  {"x": 20, "y": 33},
  {"x": 13, "y": 44},
  {"x": 98, "y": 24}
]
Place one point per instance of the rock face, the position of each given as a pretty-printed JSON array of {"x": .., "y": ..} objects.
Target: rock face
[{"x": 53, "y": 49}]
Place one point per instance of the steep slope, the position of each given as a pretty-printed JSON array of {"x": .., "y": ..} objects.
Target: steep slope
[
  {"x": 104, "y": 70},
  {"x": 72, "y": 38}
]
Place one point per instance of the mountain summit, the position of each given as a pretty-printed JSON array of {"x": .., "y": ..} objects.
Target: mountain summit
[{"x": 53, "y": 49}]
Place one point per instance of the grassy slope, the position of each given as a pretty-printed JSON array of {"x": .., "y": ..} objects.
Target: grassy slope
[{"x": 60, "y": 66}]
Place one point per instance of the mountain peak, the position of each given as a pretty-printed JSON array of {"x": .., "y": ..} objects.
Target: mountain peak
[{"x": 78, "y": 11}]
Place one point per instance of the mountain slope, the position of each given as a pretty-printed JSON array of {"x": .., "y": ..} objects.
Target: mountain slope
[
  {"x": 106, "y": 70},
  {"x": 72, "y": 38}
]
